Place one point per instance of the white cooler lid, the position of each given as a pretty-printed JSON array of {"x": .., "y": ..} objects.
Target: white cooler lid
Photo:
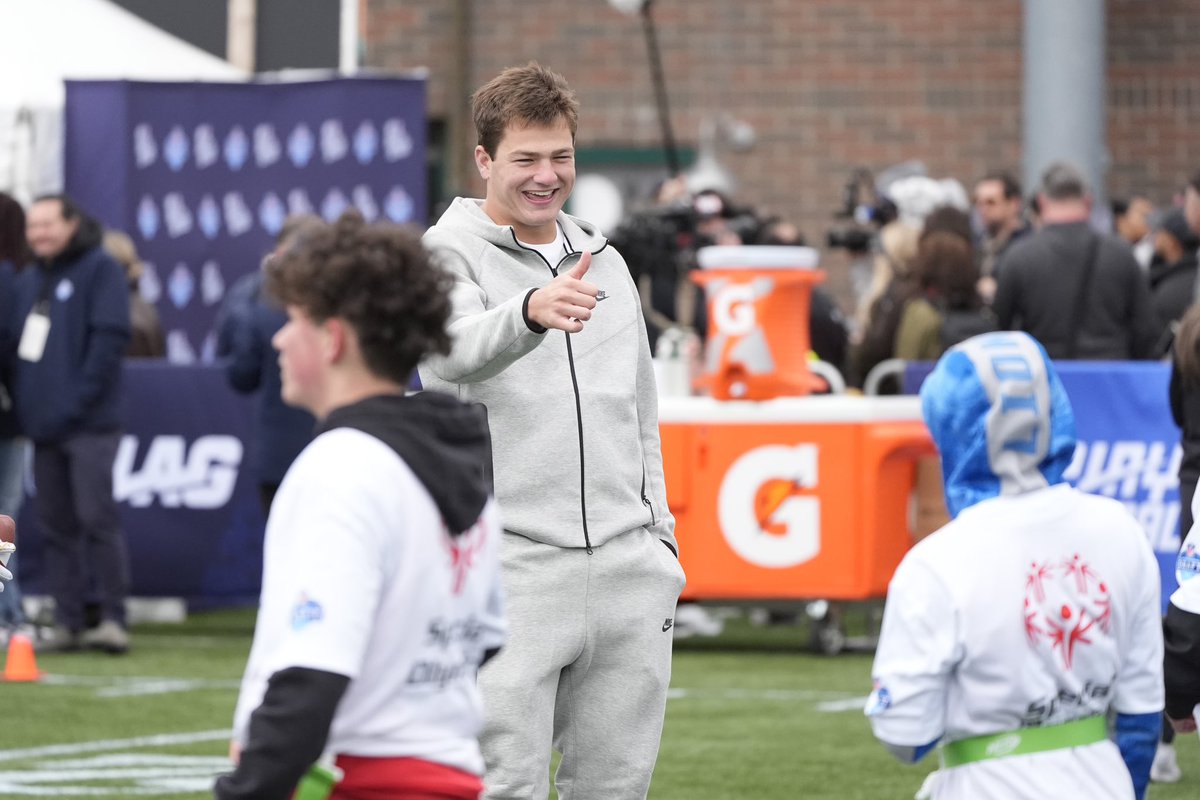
[{"x": 757, "y": 256}]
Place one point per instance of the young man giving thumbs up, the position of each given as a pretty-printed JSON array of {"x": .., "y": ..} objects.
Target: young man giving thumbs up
[{"x": 589, "y": 553}]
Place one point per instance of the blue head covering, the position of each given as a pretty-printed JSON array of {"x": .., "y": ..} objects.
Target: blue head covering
[{"x": 1000, "y": 418}]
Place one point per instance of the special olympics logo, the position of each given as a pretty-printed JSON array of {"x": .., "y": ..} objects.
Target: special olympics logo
[
  {"x": 463, "y": 549},
  {"x": 765, "y": 512},
  {"x": 1066, "y": 605}
]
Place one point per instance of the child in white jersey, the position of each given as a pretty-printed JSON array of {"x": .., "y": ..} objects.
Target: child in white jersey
[
  {"x": 1011, "y": 633},
  {"x": 381, "y": 585}
]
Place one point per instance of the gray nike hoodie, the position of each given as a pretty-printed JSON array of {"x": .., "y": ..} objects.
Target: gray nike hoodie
[{"x": 574, "y": 417}]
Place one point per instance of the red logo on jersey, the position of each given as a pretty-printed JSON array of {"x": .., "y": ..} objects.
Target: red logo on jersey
[
  {"x": 463, "y": 549},
  {"x": 1065, "y": 604}
]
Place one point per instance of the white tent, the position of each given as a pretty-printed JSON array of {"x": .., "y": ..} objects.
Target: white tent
[{"x": 49, "y": 41}]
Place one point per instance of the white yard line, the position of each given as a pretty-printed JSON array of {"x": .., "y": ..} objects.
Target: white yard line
[
  {"x": 849, "y": 704},
  {"x": 156, "y": 740},
  {"x": 793, "y": 695},
  {"x": 126, "y": 686},
  {"x": 829, "y": 702}
]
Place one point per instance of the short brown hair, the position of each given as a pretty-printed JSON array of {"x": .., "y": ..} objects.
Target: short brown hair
[
  {"x": 528, "y": 95},
  {"x": 378, "y": 278}
]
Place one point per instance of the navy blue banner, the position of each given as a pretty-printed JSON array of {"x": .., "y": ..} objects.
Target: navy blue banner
[
  {"x": 1128, "y": 446},
  {"x": 202, "y": 175},
  {"x": 190, "y": 511}
]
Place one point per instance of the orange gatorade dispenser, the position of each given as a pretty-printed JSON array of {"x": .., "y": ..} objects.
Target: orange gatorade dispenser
[
  {"x": 791, "y": 498},
  {"x": 758, "y": 300}
]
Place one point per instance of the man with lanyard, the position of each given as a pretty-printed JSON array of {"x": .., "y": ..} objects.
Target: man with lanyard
[
  {"x": 70, "y": 319},
  {"x": 1011, "y": 632}
]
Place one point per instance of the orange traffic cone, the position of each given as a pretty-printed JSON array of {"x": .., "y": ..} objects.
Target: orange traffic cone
[{"x": 21, "y": 664}]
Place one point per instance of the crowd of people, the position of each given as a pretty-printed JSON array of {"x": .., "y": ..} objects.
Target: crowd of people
[
  {"x": 1038, "y": 266},
  {"x": 491, "y": 544},
  {"x": 945, "y": 267}
]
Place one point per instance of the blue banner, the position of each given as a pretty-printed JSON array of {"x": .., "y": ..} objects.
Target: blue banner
[
  {"x": 189, "y": 510},
  {"x": 202, "y": 175},
  {"x": 1129, "y": 447}
]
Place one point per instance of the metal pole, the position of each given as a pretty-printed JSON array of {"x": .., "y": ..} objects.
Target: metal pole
[
  {"x": 241, "y": 33},
  {"x": 1064, "y": 89},
  {"x": 348, "y": 38},
  {"x": 459, "y": 142},
  {"x": 660, "y": 90}
]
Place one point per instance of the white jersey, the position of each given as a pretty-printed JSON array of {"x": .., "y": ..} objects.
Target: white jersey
[
  {"x": 361, "y": 578},
  {"x": 1026, "y": 610}
]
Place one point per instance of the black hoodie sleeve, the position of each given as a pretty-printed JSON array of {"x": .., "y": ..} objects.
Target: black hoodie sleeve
[
  {"x": 1181, "y": 661},
  {"x": 287, "y": 734}
]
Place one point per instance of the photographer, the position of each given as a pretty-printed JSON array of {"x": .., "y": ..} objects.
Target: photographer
[{"x": 660, "y": 245}]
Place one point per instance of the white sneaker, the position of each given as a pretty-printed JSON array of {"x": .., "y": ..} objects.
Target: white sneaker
[
  {"x": 109, "y": 636},
  {"x": 694, "y": 620},
  {"x": 1165, "y": 768}
]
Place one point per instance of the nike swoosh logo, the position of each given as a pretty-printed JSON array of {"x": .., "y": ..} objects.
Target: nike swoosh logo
[{"x": 667, "y": 625}]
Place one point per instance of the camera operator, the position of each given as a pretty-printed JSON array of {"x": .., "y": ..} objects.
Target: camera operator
[
  {"x": 660, "y": 245},
  {"x": 864, "y": 210}
]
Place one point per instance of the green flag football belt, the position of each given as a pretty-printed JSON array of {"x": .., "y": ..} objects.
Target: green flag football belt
[{"x": 1022, "y": 741}]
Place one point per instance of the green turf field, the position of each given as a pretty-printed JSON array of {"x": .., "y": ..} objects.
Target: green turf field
[{"x": 753, "y": 714}]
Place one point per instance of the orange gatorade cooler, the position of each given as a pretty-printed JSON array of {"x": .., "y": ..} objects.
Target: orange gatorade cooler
[
  {"x": 758, "y": 300},
  {"x": 792, "y": 498}
]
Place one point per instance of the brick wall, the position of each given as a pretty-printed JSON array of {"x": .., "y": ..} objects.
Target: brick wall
[
  {"x": 1153, "y": 95},
  {"x": 828, "y": 85}
]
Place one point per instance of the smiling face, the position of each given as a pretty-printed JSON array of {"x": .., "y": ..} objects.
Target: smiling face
[
  {"x": 529, "y": 179},
  {"x": 47, "y": 230}
]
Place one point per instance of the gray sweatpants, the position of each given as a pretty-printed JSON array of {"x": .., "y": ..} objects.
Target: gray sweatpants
[{"x": 585, "y": 670}]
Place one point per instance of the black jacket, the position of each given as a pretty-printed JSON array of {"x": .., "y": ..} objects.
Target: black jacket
[
  {"x": 1185, "y": 410},
  {"x": 1172, "y": 287},
  {"x": 1041, "y": 276},
  {"x": 8, "y": 346},
  {"x": 75, "y": 387}
]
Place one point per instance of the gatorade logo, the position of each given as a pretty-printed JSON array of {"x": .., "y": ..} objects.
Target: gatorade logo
[
  {"x": 733, "y": 309},
  {"x": 766, "y": 509}
]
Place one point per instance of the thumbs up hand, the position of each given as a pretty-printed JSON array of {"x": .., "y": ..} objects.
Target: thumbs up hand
[{"x": 567, "y": 301}]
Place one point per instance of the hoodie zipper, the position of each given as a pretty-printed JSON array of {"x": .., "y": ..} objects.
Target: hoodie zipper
[
  {"x": 646, "y": 500},
  {"x": 587, "y": 540}
]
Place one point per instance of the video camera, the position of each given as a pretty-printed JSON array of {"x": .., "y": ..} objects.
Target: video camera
[
  {"x": 864, "y": 210},
  {"x": 656, "y": 239}
]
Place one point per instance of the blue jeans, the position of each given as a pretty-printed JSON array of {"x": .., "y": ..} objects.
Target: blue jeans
[{"x": 12, "y": 489}]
